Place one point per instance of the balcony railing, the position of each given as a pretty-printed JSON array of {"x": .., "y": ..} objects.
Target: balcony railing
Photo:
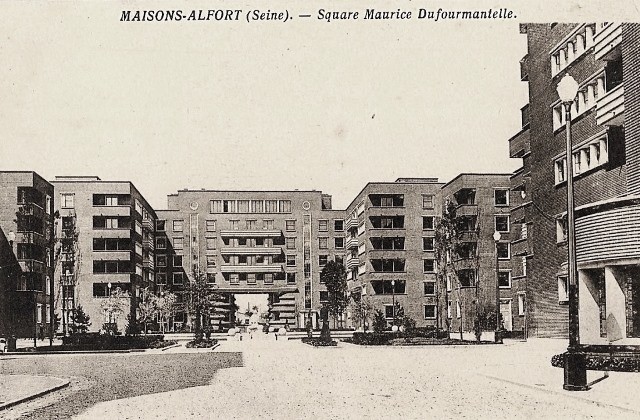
[
  {"x": 148, "y": 263},
  {"x": 68, "y": 279},
  {"x": 147, "y": 224},
  {"x": 253, "y": 233},
  {"x": 606, "y": 40},
  {"x": 148, "y": 244},
  {"x": 352, "y": 243},
  {"x": 257, "y": 250},
  {"x": 350, "y": 223},
  {"x": 273, "y": 268},
  {"x": 611, "y": 107},
  {"x": 352, "y": 262}
]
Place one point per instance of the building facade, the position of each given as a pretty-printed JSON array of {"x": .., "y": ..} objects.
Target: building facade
[
  {"x": 107, "y": 243},
  {"x": 390, "y": 253},
  {"x": 273, "y": 243},
  {"x": 477, "y": 261},
  {"x": 603, "y": 59},
  {"x": 27, "y": 246}
]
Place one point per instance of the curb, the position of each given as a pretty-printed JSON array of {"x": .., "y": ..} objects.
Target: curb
[
  {"x": 215, "y": 346},
  {"x": 36, "y": 353},
  {"x": 171, "y": 346},
  {"x": 15, "y": 402}
]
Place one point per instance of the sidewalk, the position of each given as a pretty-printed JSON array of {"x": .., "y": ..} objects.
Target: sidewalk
[
  {"x": 15, "y": 389},
  {"x": 528, "y": 364}
]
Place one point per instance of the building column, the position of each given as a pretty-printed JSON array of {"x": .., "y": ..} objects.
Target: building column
[
  {"x": 615, "y": 289},
  {"x": 588, "y": 308}
]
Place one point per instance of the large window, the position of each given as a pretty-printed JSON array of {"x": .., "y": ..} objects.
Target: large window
[
  {"x": 111, "y": 244},
  {"x": 387, "y": 222},
  {"x": 388, "y": 265},
  {"x": 388, "y": 287},
  {"x": 112, "y": 266},
  {"x": 589, "y": 156},
  {"x": 387, "y": 243},
  {"x": 111, "y": 200},
  {"x": 386, "y": 200}
]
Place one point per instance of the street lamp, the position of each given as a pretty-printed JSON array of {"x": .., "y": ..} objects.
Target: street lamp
[
  {"x": 393, "y": 300},
  {"x": 575, "y": 374},
  {"x": 497, "y": 338},
  {"x": 109, "y": 296}
]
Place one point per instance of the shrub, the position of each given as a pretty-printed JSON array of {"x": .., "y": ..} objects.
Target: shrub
[
  {"x": 97, "y": 341},
  {"x": 202, "y": 343},
  {"x": 372, "y": 339},
  {"x": 318, "y": 342},
  {"x": 110, "y": 328}
]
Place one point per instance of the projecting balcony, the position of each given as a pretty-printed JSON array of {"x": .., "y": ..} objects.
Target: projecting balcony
[
  {"x": 147, "y": 224},
  {"x": 467, "y": 210},
  {"x": 350, "y": 223},
  {"x": 520, "y": 248},
  {"x": 251, "y": 233},
  {"x": 606, "y": 41},
  {"x": 259, "y": 250},
  {"x": 273, "y": 268},
  {"x": 112, "y": 211},
  {"x": 524, "y": 68},
  {"x": 148, "y": 263},
  {"x": 611, "y": 107},
  {"x": 519, "y": 145},
  {"x": 352, "y": 242},
  {"x": 148, "y": 244},
  {"x": 67, "y": 280},
  {"x": 352, "y": 262}
]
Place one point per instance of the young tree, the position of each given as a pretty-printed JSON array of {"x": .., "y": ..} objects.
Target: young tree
[
  {"x": 166, "y": 307},
  {"x": 334, "y": 276},
  {"x": 200, "y": 301},
  {"x": 147, "y": 308},
  {"x": 361, "y": 309},
  {"x": 81, "y": 321},
  {"x": 114, "y": 306}
]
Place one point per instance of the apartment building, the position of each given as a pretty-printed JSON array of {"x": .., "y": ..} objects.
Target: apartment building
[
  {"x": 272, "y": 243},
  {"x": 26, "y": 254},
  {"x": 473, "y": 265},
  {"x": 390, "y": 254},
  {"x": 603, "y": 59},
  {"x": 107, "y": 243}
]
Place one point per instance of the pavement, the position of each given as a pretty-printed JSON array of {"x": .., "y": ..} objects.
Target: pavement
[
  {"x": 289, "y": 379},
  {"x": 16, "y": 389}
]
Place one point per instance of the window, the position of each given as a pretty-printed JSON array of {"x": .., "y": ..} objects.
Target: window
[
  {"x": 66, "y": 201},
  {"x": 467, "y": 277},
  {"x": 429, "y": 265},
  {"x": 291, "y": 278},
  {"x": 323, "y": 243},
  {"x": 229, "y": 206},
  {"x": 160, "y": 225},
  {"x": 504, "y": 250},
  {"x": 177, "y": 278},
  {"x": 267, "y": 224},
  {"x": 323, "y": 225},
  {"x": 502, "y": 223},
  {"x": 427, "y": 222},
  {"x": 178, "y": 225},
  {"x": 291, "y": 243},
  {"x": 161, "y": 242},
  {"x": 429, "y": 288},
  {"x": 270, "y": 206},
  {"x": 251, "y": 278},
  {"x": 284, "y": 206},
  {"x": 501, "y": 197},
  {"x": 561, "y": 230},
  {"x": 389, "y": 311},
  {"x": 387, "y": 200},
  {"x": 177, "y": 243},
  {"x": 338, "y": 243},
  {"x": 211, "y": 278},
  {"x": 256, "y": 206},
  {"x": 251, "y": 224},
  {"x": 177, "y": 260},
  {"x": 389, "y": 287},
  {"x": 338, "y": 225},
  {"x": 268, "y": 278},
  {"x": 563, "y": 289},
  {"x": 47, "y": 207},
  {"x": 427, "y": 244},
  {"x": 324, "y": 296},
  {"x": 449, "y": 283},
  {"x": 215, "y": 206},
  {"x": 322, "y": 260},
  {"x": 429, "y": 311},
  {"x": 234, "y": 278},
  {"x": 290, "y": 225},
  {"x": 243, "y": 206},
  {"x": 524, "y": 266},
  {"x": 387, "y": 243},
  {"x": 338, "y": 259},
  {"x": 161, "y": 278},
  {"x": 387, "y": 222},
  {"x": 388, "y": 265},
  {"x": 242, "y": 259},
  {"x": 449, "y": 315},
  {"x": 588, "y": 156},
  {"x": 161, "y": 260},
  {"x": 521, "y": 303},
  {"x": 458, "y": 310},
  {"x": 210, "y": 225},
  {"x": 211, "y": 243},
  {"x": 427, "y": 201},
  {"x": 291, "y": 260},
  {"x": 504, "y": 279}
]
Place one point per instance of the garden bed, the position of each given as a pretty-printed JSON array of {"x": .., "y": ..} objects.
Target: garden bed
[
  {"x": 101, "y": 342},
  {"x": 407, "y": 339},
  {"x": 614, "y": 362},
  {"x": 318, "y": 342},
  {"x": 202, "y": 344}
]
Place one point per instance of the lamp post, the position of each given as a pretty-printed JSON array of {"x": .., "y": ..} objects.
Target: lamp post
[
  {"x": 575, "y": 373},
  {"x": 497, "y": 335},
  {"x": 393, "y": 300},
  {"x": 109, "y": 297}
]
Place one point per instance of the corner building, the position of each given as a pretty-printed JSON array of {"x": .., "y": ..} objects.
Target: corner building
[
  {"x": 107, "y": 242},
  {"x": 26, "y": 254},
  {"x": 250, "y": 242},
  {"x": 603, "y": 59}
]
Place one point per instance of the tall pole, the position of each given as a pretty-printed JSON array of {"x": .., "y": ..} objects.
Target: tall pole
[
  {"x": 393, "y": 300},
  {"x": 575, "y": 375},
  {"x": 497, "y": 335},
  {"x": 35, "y": 318}
]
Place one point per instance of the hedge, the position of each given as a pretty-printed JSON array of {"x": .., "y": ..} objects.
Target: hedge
[{"x": 97, "y": 341}]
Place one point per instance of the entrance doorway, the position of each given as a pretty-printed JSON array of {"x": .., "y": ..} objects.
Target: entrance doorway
[{"x": 505, "y": 311}]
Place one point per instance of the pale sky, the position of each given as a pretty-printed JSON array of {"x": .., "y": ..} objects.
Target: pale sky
[{"x": 234, "y": 105}]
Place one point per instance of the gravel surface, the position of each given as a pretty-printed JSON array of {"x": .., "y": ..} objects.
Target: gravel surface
[{"x": 104, "y": 377}]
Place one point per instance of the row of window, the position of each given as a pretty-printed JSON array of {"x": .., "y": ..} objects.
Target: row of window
[
  {"x": 250, "y": 206},
  {"x": 572, "y": 48},
  {"x": 586, "y": 99},
  {"x": 590, "y": 155},
  {"x": 467, "y": 196},
  {"x": 469, "y": 278}
]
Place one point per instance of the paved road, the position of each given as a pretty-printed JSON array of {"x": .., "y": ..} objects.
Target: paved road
[
  {"x": 104, "y": 377},
  {"x": 289, "y": 380}
]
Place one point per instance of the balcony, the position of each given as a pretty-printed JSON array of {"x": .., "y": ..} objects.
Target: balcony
[
  {"x": 251, "y": 251},
  {"x": 352, "y": 243},
  {"x": 467, "y": 210},
  {"x": 148, "y": 244},
  {"x": 519, "y": 145},
  {"x": 112, "y": 211},
  {"x": 611, "y": 107},
  {"x": 352, "y": 262},
  {"x": 361, "y": 229},
  {"x": 147, "y": 224},
  {"x": 350, "y": 223},
  {"x": 520, "y": 248},
  {"x": 273, "y": 268},
  {"x": 524, "y": 68},
  {"x": 67, "y": 279},
  {"x": 606, "y": 41},
  {"x": 148, "y": 263},
  {"x": 251, "y": 233}
]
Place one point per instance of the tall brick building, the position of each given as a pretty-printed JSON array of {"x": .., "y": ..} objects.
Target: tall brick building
[
  {"x": 26, "y": 254},
  {"x": 603, "y": 59}
]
